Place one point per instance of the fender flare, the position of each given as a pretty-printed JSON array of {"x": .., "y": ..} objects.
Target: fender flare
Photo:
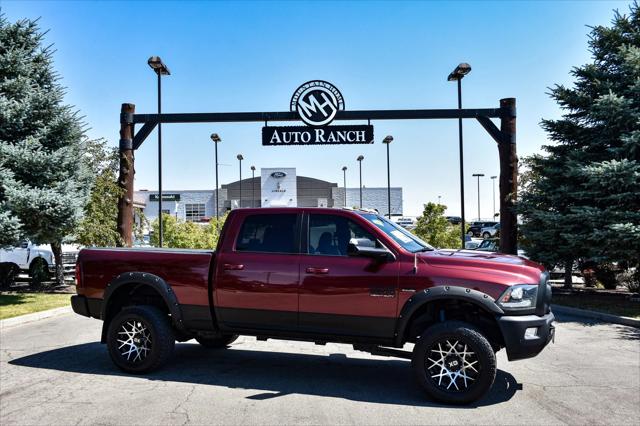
[
  {"x": 141, "y": 279},
  {"x": 431, "y": 294}
]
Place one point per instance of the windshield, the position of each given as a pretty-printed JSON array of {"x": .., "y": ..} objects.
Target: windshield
[{"x": 406, "y": 239}]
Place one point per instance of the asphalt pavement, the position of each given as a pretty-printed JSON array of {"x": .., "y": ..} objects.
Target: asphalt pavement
[{"x": 54, "y": 371}]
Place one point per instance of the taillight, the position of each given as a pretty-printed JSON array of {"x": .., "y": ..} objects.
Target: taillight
[{"x": 78, "y": 275}]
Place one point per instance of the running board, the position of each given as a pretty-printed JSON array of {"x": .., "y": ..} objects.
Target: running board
[{"x": 380, "y": 351}]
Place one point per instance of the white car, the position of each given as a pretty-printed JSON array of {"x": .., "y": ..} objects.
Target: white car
[
  {"x": 27, "y": 257},
  {"x": 490, "y": 231}
]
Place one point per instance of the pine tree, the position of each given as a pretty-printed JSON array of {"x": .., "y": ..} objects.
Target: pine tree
[
  {"x": 44, "y": 181},
  {"x": 581, "y": 201}
]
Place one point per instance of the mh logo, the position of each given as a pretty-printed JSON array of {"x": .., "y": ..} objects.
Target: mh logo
[{"x": 317, "y": 102}]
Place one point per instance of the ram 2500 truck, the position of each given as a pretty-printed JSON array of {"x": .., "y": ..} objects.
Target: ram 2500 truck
[{"x": 322, "y": 275}]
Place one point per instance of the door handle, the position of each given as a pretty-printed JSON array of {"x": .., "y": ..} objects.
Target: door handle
[
  {"x": 317, "y": 270},
  {"x": 233, "y": 267}
]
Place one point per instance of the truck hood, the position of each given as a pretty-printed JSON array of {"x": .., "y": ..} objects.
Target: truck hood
[{"x": 506, "y": 269}]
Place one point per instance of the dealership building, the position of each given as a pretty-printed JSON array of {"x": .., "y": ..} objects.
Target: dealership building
[{"x": 274, "y": 187}]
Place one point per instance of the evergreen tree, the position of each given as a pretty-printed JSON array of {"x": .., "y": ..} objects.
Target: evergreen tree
[
  {"x": 44, "y": 181},
  {"x": 581, "y": 201}
]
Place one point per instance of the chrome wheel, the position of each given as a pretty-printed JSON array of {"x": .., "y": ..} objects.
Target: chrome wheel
[
  {"x": 134, "y": 341},
  {"x": 452, "y": 365}
]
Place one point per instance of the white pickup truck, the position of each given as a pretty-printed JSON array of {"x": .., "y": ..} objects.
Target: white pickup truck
[{"x": 31, "y": 259}]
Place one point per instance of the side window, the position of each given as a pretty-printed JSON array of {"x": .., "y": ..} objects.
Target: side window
[
  {"x": 268, "y": 233},
  {"x": 329, "y": 235}
]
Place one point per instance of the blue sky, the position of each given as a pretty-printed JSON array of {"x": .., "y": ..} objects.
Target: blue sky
[{"x": 251, "y": 56}]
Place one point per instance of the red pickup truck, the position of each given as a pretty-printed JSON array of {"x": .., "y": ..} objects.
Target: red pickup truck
[{"x": 322, "y": 275}]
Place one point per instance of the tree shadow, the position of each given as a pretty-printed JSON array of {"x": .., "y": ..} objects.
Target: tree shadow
[
  {"x": 272, "y": 373},
  {"x": 12, "y": 299},
  {"x": 623, "y": 331}
]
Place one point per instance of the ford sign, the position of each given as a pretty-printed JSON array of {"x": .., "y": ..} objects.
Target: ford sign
[{"x": 278, "y": 175}]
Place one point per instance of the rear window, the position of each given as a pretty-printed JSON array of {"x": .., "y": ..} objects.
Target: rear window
[{"x": 268, "y": 233}]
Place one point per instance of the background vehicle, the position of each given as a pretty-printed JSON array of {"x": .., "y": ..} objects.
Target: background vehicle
[
  {"x": 476, "y": 227},
  {"x": 454, "y": 220},
  {"x": 322, "y": 275},
  {"x": 35, "y": 260},
  {"x": 490, "y": 231}
]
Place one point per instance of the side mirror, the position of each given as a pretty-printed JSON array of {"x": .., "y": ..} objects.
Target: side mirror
[
  {"x": 354, "y": 248},
  {"x": 24, "y": 244}
]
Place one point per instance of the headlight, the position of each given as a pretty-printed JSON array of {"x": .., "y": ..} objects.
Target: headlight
[{"x": 522, "y": 296}]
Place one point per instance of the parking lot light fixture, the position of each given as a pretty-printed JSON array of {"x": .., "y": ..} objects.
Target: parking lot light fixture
[
  {"x": 457, "y": 75},
  {"x": 344, "y": 177},
  {"x": 253, "y": 185},
  {"x": 160, "y": 69},
  {"x": 478, "y": 175},
  {"x": 387, "y": 141},
  {"x": 216, "y": 140},
  {"x": 493, "y": 182},
  {"x": 240, "y": 158},
  {"x": 360, "y": 158}
]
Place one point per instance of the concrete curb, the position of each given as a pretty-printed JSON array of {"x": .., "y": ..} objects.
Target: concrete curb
[
  {"x": 615, "y": 319},
  {"x": 36, "y": 316}
]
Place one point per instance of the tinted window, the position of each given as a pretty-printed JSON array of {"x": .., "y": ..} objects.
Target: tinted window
[
  {"x": 329, "y": 235},
  {"x": 400, "y": 235},
  {"x": 271, "y": 233}
]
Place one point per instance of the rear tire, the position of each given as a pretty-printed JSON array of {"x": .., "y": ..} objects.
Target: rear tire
[
  {"x": 140, "y": 339},
  {"x": 486, "y": 235},
  {"x": 454, "y": 363},
  {"x": 8, "y": 272},
  {"x": 217, "y": 342}
]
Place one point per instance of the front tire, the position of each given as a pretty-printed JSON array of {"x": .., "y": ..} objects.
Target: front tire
[
  {"x": 217, "y": 342},
  {"x": 470, "y": 233},
  {"x": 140, "y": 339},
  {"x": 38, "y": 272},
  {"x": 454, "y": 363}
]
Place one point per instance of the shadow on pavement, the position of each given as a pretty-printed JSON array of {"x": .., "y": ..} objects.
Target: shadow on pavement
[
  {"x": 273, "y": 373},
  {"x": 623, "y": 331}
]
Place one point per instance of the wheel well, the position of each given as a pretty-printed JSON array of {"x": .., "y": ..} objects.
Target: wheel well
[
  {"x": 133, "y": 294},
  {"x": 454, "y": 309}
]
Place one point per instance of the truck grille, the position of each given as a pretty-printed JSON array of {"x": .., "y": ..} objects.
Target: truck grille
[{"x": 69, "y": 258}]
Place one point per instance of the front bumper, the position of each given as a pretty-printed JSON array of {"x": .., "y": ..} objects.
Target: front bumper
[{"x": 520, "y": 346}]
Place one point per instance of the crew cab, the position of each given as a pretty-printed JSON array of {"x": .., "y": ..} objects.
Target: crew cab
[{"x": 322, "y": 275}]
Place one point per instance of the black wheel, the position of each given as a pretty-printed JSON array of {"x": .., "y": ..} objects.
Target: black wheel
[
  {"x": 470, "y": 233},
  {"x": 39, "y": 272},
  {"x": 454, "y": 363},
  {"x": 486, "y": 235},
  {"x": 140, "y": 339},
  {"x": 8, "y": 272},
  {"x": 217, "y": 342}
]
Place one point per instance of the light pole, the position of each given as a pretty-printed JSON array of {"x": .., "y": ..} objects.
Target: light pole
[
  {"x": 344, "y": 177},
  {"x": 160, "y": 69},
  {"x": 253, "y": 185},
  {"x": 478, "y": 175},
  {"x": 387, "y": 141},
  {"x": 240, "y": 158},
  {"x": 493, "y": 183},
  {"x": 360, "y": 158},
  {"x": 439, "y": 197},
  {"x": 216, "y": 139},
  {"x": 457, "y": 75}
]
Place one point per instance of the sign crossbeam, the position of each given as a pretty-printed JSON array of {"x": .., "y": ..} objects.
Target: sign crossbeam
[{"x": 391, "y": 114}]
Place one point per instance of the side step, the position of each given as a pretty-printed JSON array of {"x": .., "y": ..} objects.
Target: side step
[{"x": 381, "y": 351}]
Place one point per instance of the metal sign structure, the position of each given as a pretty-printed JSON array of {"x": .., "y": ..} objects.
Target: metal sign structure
[{"x": 318, "y": 104}]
